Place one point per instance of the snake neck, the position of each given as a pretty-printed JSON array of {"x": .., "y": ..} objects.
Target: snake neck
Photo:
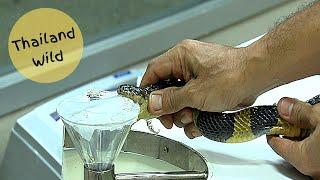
[
  {"x": 144, "y": 104},
  {"x": 144, "y": 111},
  {"x": 143, "y": 101},
  {"x": 289, "y": 130}
]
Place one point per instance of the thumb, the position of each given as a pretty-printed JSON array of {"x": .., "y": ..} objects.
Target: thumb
[
  {"x": 296, "y": 112},
  {"x": 167, "y": 101}
]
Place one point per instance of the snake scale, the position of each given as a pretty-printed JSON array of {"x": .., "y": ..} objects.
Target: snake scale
[{"x": 240, "y": 126}]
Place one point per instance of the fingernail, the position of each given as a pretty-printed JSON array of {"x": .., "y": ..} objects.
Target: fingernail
[
  {"x": 286, "y": 107},
  {"x": 196, "y": 134},
  {"x": 186, "y": 119},
  {"x": 156, "y": 102}
]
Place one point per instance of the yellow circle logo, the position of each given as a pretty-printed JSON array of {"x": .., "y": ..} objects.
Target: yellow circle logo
[{"x": 45, "y": 45}]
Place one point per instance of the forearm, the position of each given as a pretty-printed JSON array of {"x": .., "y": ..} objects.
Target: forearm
[{"x": 289, "y": 52}]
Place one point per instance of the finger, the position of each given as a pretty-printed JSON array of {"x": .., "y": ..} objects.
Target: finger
[
  {"x": 167, "y": 101},
  {"x": 287, "y": 149},
  {"x": 166, "y": 121},
  {"x": 163, "y": 67},
  {"x": 192, "y": 131},
  {"x": 183, "y": 117},
  {"x": 296, "y": 112}
]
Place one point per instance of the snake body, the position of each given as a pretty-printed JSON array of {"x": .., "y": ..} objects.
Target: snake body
[{"x": 241, "y": 126}]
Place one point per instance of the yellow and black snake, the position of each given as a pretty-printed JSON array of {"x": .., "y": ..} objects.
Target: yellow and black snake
[{"x": 241, "y": 126}]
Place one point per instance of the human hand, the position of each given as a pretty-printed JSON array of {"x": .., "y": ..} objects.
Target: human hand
[
  {"x": 303, "y": 155},
  {"x": 218, "y": 78}
]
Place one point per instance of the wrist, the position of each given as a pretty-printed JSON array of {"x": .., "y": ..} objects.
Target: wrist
[{"x": 260, "y": 70}]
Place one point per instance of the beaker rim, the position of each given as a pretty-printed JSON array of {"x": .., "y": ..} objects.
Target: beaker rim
[{"x": 80, "y": 100}]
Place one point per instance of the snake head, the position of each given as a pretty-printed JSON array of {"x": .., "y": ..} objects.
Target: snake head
[
  {"x": 132, "y": 92},
  {"x": 137, "y": 95},
  {"x": 126, "y": 90}
]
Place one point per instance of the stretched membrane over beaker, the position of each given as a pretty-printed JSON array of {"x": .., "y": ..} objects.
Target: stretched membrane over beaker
[{"x": 98, "y": 127}]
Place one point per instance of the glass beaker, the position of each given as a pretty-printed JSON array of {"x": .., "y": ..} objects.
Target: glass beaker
[{"x": 98, "y": 126}]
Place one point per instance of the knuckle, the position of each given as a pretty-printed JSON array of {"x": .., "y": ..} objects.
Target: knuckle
[
  {"x": 180, "y": 52},
  {"x": 190, "y": 94},
  {"x": 198, "y": 102},
  {"x": 298, "y": 112},
  {"x": 175, "y": 54},
  {"x": 170, "y": 103},
  {"x": 185, "y": 45},
  {"x": 150, "y": 64},
  {"x": 186, "y": 42},
  {"x": 194, "y": 97}
]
